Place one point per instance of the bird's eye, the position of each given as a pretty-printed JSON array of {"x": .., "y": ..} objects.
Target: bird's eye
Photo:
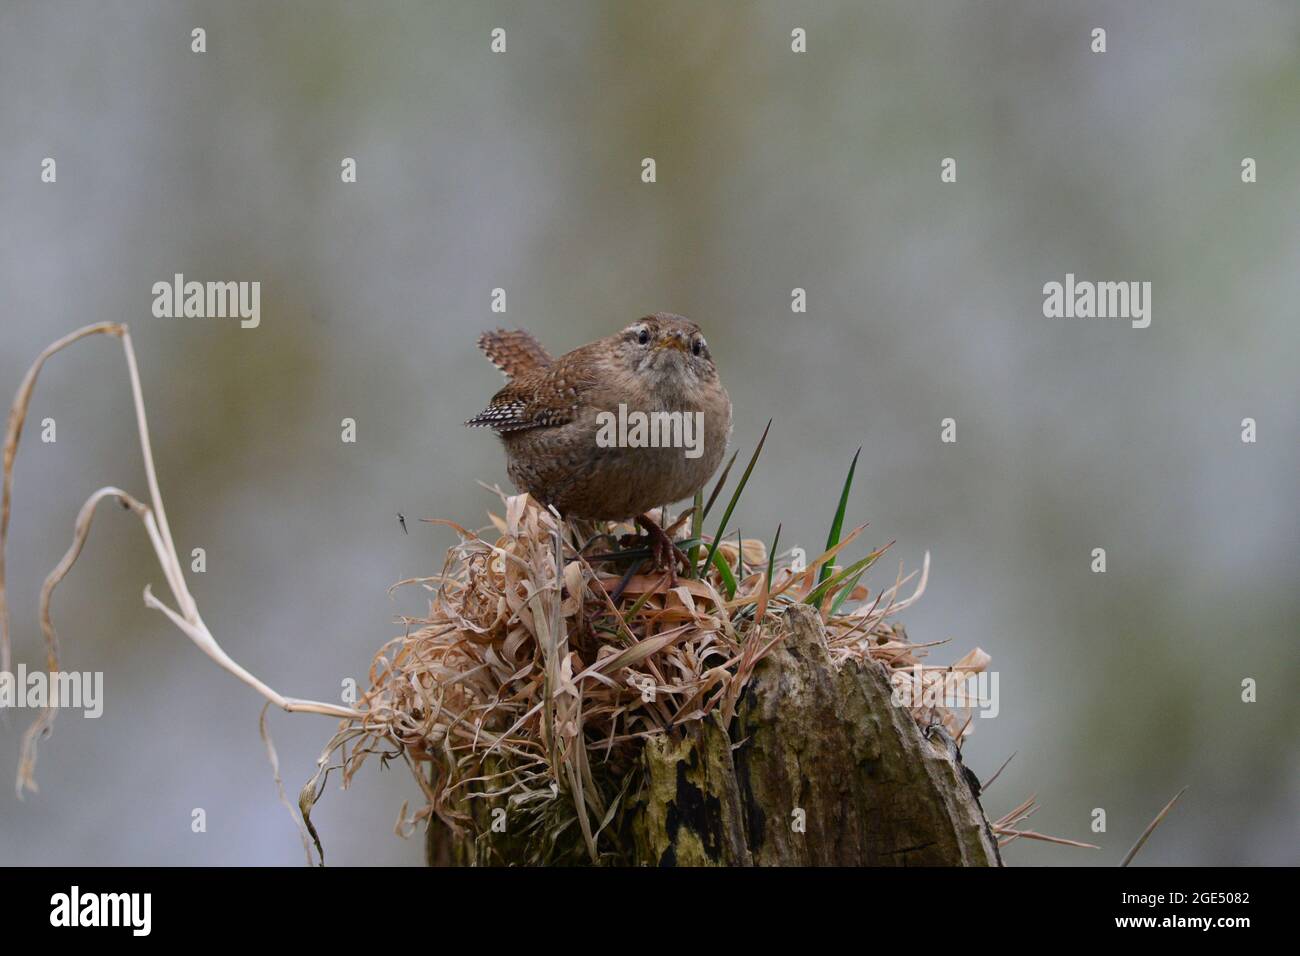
[
  {"x": 643, "y": 337},
  {"x": 697, "y": 347}
]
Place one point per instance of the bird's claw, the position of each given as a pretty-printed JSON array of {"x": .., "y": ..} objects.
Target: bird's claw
[{"x": 664, "y": 554}]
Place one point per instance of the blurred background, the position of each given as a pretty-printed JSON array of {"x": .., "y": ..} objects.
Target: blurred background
[{"x": 775, "y": 170}]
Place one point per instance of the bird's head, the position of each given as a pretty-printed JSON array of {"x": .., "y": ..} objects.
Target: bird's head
[{"x": 668, "y": 348}]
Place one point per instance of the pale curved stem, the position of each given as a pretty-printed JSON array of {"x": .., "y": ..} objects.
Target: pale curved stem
[
  {"x": 154, "y": 518},
  {"x": 13, "y": 433}
]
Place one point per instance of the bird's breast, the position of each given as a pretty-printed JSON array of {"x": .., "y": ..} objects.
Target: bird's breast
[{"x": 624, "y": 452}]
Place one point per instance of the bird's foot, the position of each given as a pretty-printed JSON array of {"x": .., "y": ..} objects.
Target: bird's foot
[{"x": 664, "y": 555}]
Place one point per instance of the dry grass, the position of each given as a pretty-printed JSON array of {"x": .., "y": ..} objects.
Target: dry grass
[{"x": 530, "y": 681}]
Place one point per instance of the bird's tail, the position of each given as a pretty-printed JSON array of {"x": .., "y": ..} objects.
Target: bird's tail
[{"x": 514, "y": 352}]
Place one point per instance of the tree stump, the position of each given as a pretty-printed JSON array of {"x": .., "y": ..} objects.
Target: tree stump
[{"x": 818, "y": 768}]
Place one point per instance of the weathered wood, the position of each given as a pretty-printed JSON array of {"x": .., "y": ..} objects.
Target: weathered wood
[
  {"x": 818, "y": 768},
  {"x": 691, "y": 810}
]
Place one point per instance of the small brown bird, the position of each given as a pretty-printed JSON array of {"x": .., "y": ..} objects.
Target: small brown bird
[{"x": 615, "y": 428}]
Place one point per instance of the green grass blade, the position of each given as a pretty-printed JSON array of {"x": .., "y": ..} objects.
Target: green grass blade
[
  {"x": 771, "y": 556},
  {"x": 638, "y": 553},
  {"x": 857, "y": 567},
  {"x": 735, "y": 497},
  {"x": 728, "y": 579},
  {"x": 697, "y": 528},
  {"x": 631, "y": 612},
  {"x": 837, "y": 526},
  {"x": 845, "y": 592},
  {"x": 722, "y": 480}
]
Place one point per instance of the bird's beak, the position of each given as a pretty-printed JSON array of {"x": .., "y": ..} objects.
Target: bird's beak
[{"x": 672, "y": 342}]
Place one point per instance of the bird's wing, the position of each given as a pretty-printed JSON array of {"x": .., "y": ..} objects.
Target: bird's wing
[
  {"x": 515, "y": 353},
  {"x": 540, "y": 398}
]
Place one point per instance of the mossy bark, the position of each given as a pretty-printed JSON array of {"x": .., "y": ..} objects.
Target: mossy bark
[{"x": 818, "y": 768}]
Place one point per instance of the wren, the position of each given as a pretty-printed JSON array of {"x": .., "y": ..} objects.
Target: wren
[{"x": 553, "y": 416}]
